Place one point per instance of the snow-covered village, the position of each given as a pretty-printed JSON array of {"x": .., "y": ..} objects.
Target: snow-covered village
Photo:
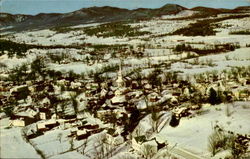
[{"x": 113, "y": 83}]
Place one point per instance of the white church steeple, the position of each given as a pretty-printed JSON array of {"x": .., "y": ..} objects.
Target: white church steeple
[{"x": 119, "y": 81}]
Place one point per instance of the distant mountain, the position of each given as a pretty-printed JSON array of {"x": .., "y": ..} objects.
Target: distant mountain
[
  {"x": 96, "y": 15},
  {"x": 9, "y": 19},
  {"x": 170, "y": 9},
  {"x": 84, "y": 16},
  {"x": 242, "y": 9},
  {"x": 204, "y": 10}
]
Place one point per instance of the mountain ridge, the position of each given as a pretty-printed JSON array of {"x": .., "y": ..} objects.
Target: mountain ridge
[
  {"x": 93, "y": 15},
  {"x": 85, "y": 15}
]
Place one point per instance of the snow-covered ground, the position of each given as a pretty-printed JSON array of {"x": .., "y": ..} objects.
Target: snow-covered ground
[
  {"x": 192, "y": 133},
  {"x": 184, "y": 13},
  {"x": 155, "y": 26},
  {"x": 239, "y": 57},
  {"x": 158, "y": 27},
  {"x": 12, "y": 144},
  {"x": 234, "y": 25}
]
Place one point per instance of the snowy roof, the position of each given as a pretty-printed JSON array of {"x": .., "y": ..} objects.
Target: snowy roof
[{"x": 28, "y": 113}]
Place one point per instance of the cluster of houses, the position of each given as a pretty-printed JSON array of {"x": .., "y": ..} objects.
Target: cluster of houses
[{"x": 111, "y": 101}]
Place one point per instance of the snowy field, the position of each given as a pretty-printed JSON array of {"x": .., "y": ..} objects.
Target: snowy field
[
  {"x": 190, "y": 135},
  {"x": 201, "y": 126},
  {"x": 12, "y": 144}
]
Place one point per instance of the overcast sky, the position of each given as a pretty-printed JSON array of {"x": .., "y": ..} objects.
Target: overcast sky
[{"x": 63, "y": 6}]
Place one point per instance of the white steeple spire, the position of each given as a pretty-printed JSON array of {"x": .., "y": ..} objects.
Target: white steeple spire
[{"x": 119, "y": 80}]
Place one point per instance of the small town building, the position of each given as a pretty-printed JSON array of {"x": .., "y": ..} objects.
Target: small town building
[
  {"x": 82, "y": 134},
  {"x": 119, "y": 97},
  {"x": 41, "y": 127},
  {"x": 51, "y": 124},
  {"x": 44, "y": 113},
  {"x": 24, "y": 117}
]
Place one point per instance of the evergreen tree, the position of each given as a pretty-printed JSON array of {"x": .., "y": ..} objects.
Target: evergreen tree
[{"x": 213, "y": 98}]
